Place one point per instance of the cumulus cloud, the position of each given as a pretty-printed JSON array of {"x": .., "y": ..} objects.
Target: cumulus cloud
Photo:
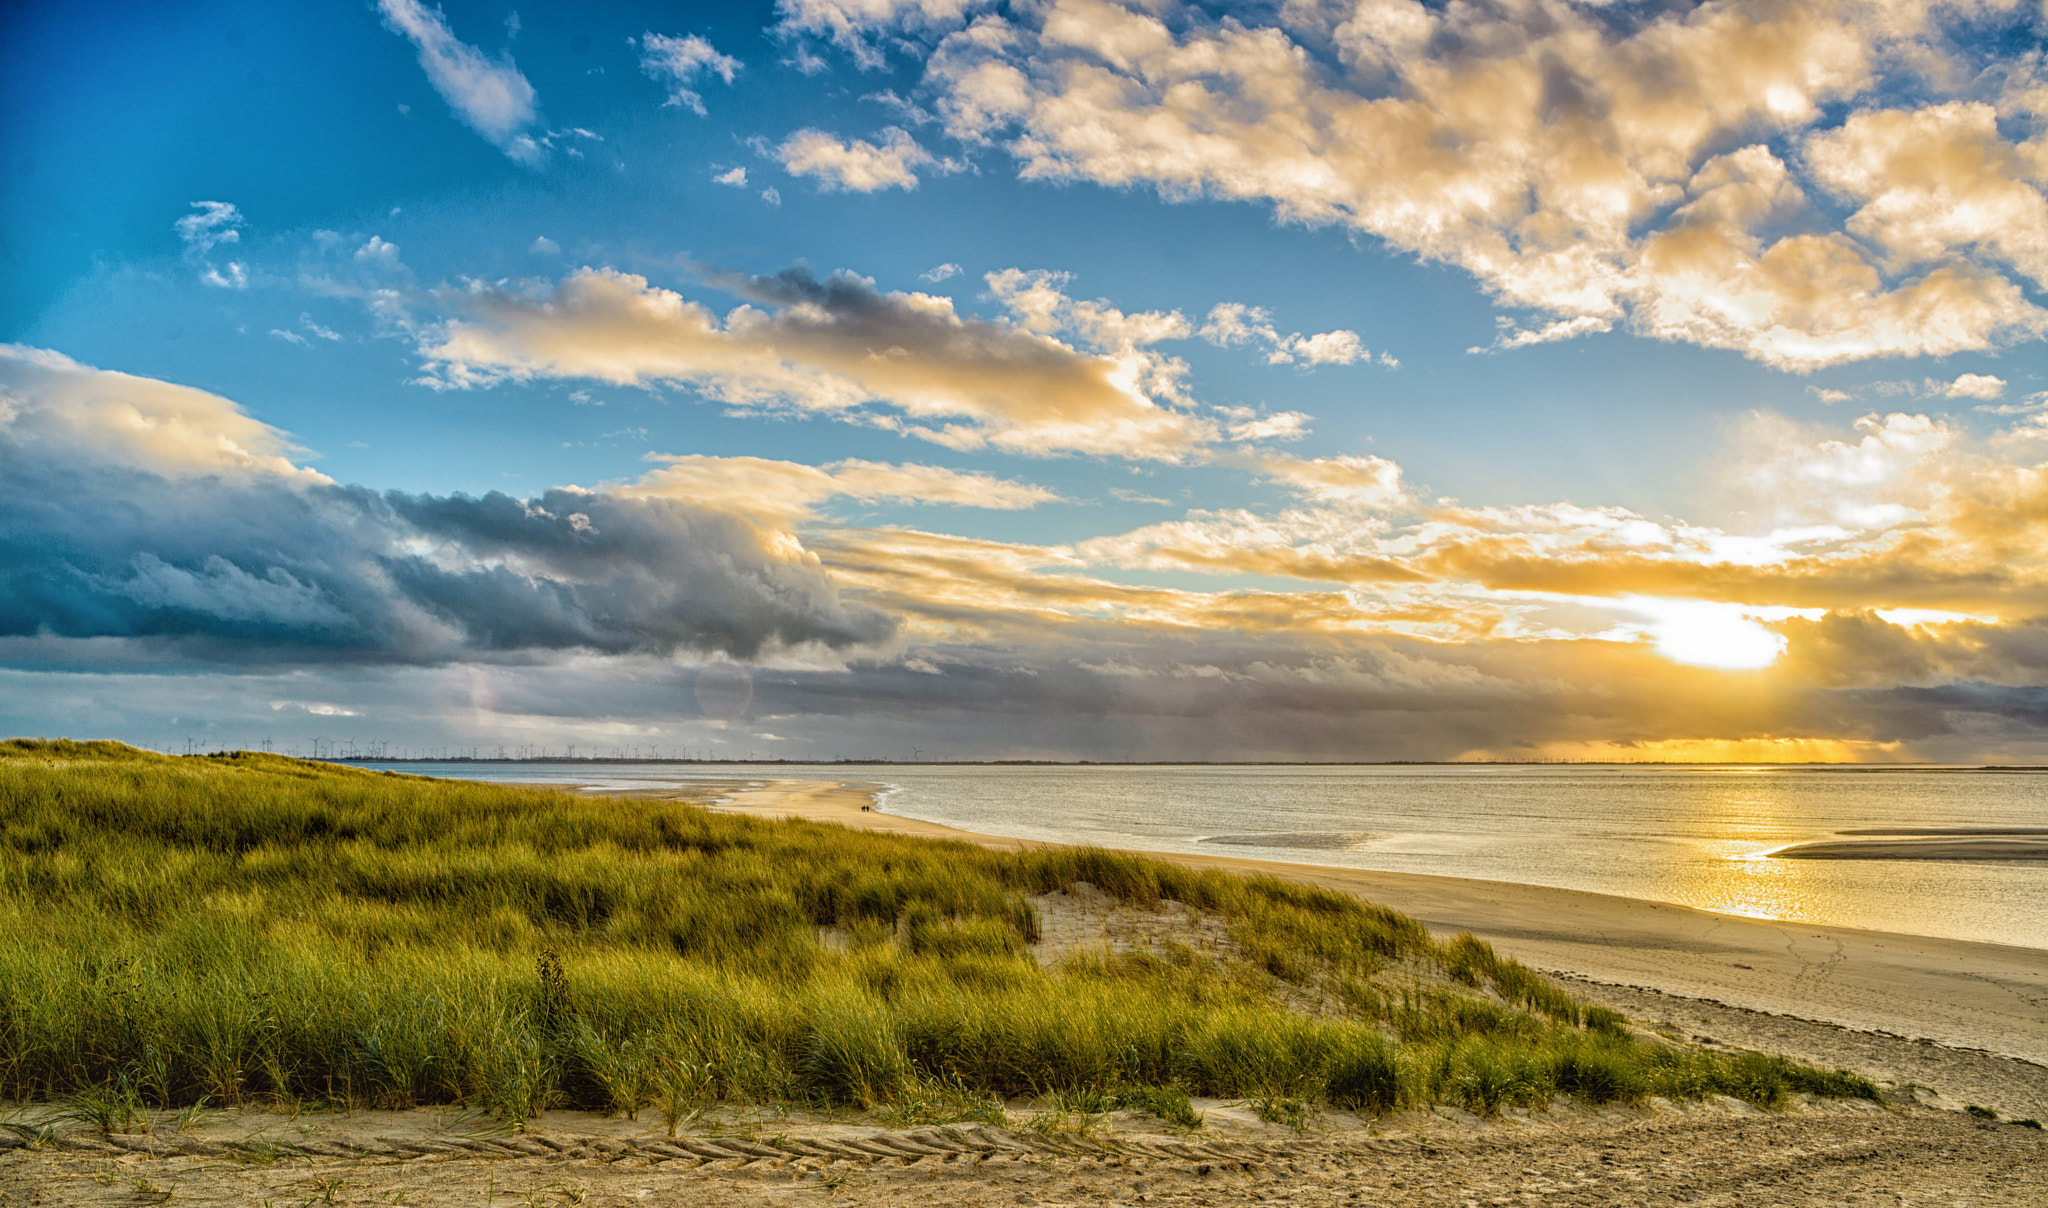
[
  {"x": 859, "y": 27},
  {"x": 1973, "y": 385},
  {"x": 838, "y": 347},
  {"x": 857, "y": 166},
  {"x": 1588, "y": 172},
  {"x": 491, "y": 98},
  {"x": 1040, "y": 303},
  {"x": 1233, "y": 323},
  {"x": 679, "y": 62},
  {"x": 143, "y": 511}
]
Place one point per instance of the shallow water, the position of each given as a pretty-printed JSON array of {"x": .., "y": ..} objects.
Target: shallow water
[{"x": 1690, "y": 835}]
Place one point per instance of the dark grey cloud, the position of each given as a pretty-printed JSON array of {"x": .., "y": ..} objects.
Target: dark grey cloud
[{"x": 254, "y": 570}]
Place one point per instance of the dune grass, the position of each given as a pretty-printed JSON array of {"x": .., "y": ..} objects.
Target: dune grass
[{"x": 246, "y": 928}]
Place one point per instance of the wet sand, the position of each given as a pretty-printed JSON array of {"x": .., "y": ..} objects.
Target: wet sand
[{"x": 1922, "y": 847}]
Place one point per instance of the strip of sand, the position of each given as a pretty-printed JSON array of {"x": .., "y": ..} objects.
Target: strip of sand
[
  {"x": 1943, "y": 847},
  {"x": 1992, "y": 997}
]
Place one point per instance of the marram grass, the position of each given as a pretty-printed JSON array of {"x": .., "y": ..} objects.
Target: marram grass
[{"x": 243, "y": 927}]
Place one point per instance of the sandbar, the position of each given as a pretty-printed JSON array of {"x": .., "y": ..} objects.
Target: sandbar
[{"x": 1980, "y": 846}]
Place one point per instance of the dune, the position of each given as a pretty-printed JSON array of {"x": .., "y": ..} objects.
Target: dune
[{"x": 1956, "y": 993}]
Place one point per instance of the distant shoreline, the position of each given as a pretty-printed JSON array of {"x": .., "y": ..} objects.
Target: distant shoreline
[{"x": 554, "y": 760}]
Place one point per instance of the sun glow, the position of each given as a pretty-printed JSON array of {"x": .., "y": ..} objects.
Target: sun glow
[
  {"x": 1708, "y": 634},
  {"x": 1710, "y": 751}
]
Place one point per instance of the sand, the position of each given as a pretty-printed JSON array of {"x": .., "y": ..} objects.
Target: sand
[
  {"x": 1925, "y": 847},
  {"x": 1718, "y": 1152},
  {"x": 1938, "y": 1023}
]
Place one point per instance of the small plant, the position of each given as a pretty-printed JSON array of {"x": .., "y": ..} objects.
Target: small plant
[
  {"x": 683, "y": 1088},
  {"x": 193, "y": 1116},
  {"x": 324, "y": 1190},
  {"x": 114, "y": 1107},
  {"x": 621, "y": 1069},
  {"x": 518, "y": 1072},
  {"x": 2029, "y": 1123},
  {"x": 1295, "y": 1113},
  {"x": 33, "y": 1136},
  {"x": 1982, "y": 1113},
  {"x": 1169, "y": 1103},
  {"x": 928, "y": 1101}
]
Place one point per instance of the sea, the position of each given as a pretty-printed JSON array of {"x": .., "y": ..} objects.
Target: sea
[{"x": 1695, "y": 835}]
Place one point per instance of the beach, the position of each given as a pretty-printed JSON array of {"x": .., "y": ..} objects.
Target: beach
[
  {"x": 1968, "y": 1021},
  {"x": 1951, "y": 1032}
]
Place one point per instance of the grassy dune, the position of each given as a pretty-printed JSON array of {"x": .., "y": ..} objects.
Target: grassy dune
[{"x": 246, "y": 927}]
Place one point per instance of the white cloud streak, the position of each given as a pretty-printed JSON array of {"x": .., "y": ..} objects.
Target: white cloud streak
[
  {"x": 491, "y": 98},
  {"x": 680, "y": 62}
]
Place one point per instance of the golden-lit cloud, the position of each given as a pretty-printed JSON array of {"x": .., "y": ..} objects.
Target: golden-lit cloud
[
  {"x": 787, "y": 490},
  {"x": 55, "y": 408},
  {"x": 1590, "y": 171},
  {"x": 1893, "y": 606},
  {"x": 838, "y": 347},
  {"x": 857, "y": 166}
]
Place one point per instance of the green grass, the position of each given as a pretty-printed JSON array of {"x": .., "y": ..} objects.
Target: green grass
[{"x": 249, "y": 928}]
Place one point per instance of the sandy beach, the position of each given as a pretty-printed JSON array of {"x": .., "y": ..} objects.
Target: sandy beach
[
  {"x": 1967, "y": 1021},
  {"x": 1938, "y": 1024}
]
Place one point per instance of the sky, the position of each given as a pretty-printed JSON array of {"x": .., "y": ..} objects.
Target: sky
[{"x": 1351, "y": 380}]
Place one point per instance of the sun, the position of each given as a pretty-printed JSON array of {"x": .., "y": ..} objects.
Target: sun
[{"x": 1702, "y": 633}]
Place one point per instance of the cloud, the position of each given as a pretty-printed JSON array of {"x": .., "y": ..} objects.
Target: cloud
[
  {"x": 1371, "y": 482},
  {"x": 1885, "y": 601},
  {"x": 858, "y": 26},
  {"x": 736, "y": 177},
  {"x": 140, "y": 511},
  {"x": 544, "y": 246},
  {"x": 1675, "y": 174},
  {"x": 837, "y": 347},
  {"x": 858, "y": 166},
  {"x": 55, "y": 409},
  {"x": 1972, "y": 385},
  {"x": 1828, "y": 395},
  {"x": 216, "y": 223},
  {"x": 939, "y": 273},
  {"x": 1233, "y": 323},
  {"x": 1326, "y": 348},
  {"x": 1040, "y": 304},
  {"x": 491, "y": 98},
  {"x": 787, "y": 491},
  {"x": 681, "y": 61}
]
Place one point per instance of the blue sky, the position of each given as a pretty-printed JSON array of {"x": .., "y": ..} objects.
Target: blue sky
[{"x": 1319, "y": 380}]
